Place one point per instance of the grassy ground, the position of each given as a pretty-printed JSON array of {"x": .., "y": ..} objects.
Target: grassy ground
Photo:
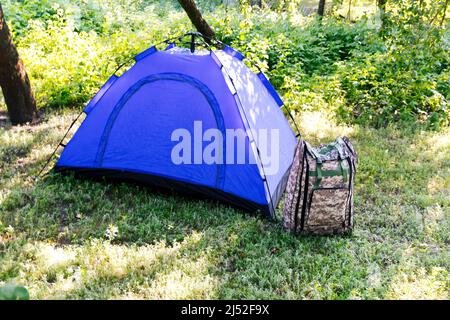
[{"x": 68, "y": 238}]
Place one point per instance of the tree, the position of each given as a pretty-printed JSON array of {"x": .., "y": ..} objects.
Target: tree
[
  {"x": 382, "y": 8},
  {"x": 196, "y": 18},
  {"x": 256, "y": 3},
  {"x": 382, "y": 4},
  {"x": 444, "y": 13},
  {"x": 349, "y": 12},
  {"x": 14, "y": 79},
  {"x": 321, "y": 8}
]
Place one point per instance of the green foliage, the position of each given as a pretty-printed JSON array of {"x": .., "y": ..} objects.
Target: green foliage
[
  {"x": 87, "y": 15},
  {"x": 72, "y": 47},
  {"x": 362, "y": 72},
  {"x": 407, "y": 81},
  {"x": 13, "y": 292},
  {"x": 366, "y": 75},
  {"x": 395, "y": 86}
]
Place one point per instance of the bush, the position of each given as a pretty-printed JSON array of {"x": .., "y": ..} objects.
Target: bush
[
  {"x": 390, "y": 87},
  {"x": 13, "y": 292},
  {"x": 408, "y": 81},
  {"x": 360, "y": 73},
  {"x": 71, "y": 48}
]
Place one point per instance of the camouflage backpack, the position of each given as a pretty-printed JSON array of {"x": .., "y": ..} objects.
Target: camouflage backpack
[{"x": 319, "y": 192}]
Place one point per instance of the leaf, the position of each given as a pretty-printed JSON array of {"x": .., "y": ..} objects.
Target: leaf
[{"x": 13, "y": 292}]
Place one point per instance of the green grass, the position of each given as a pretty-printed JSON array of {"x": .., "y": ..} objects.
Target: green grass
[{"x": 67, "y": 238}]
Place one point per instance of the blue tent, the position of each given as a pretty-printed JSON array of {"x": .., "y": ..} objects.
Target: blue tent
[{"x": 128, "y": 132}]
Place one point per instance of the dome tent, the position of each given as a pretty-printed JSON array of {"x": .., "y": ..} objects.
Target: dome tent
[{"x": 128, "y": 132}]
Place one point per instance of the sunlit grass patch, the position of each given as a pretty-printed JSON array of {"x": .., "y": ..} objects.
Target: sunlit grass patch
[
  {"x": 320, "y": 127},
  {"x": 420, "y": 285},
  {"x": 101, "y": 269}
]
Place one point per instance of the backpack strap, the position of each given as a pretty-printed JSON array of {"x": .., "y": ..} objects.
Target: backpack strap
[
  {"x": 320, "y": 173},
  {"x": 338, "y": 145},
  {"x": 313, "y": 152}
]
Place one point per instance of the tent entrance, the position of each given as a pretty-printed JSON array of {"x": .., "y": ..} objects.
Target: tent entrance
[{"x": 144, "y": 119}]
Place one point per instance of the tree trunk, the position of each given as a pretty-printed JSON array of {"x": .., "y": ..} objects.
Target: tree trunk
[
  {"x": 321, "y": 8},
  {"x": 444, "y": 13},
  {"x": 382, "y": 7},
  {"x": 14, "y": 80},
  {"x": 349, "y": 12},
  {"x": 196, "y": 18},
  {"x": 256, "y": 3},
  {"x": 382, "y": 4}
]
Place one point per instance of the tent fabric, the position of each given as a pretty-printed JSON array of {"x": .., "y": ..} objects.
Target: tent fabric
[
  {"x": 127, "y": 133},
  {"x": 261, "y": 108}
]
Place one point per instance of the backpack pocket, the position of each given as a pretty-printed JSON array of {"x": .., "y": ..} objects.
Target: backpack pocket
[{"x": 327, "y": 210}]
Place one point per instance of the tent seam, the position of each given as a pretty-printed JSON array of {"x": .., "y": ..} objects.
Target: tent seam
[
  {"x": 211, "y": 99},
  {"x": 239, "y": 106}
]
